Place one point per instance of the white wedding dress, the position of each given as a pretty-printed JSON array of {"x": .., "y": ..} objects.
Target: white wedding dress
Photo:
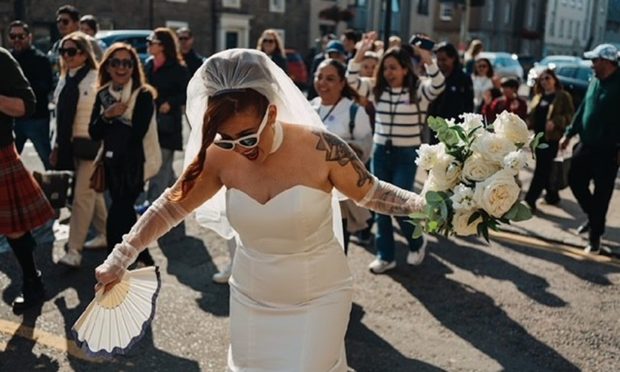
[{"x": 291, "y": 288}]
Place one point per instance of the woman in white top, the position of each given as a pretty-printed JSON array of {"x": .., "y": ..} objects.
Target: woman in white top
[
  {"x": 73, "y": 148},
  {"x": 401, "y": 102},
  {"x": 343, "y": 116},
  {"x": 483, "y": 81}
]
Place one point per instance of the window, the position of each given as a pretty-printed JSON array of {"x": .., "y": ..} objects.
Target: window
[
  {"x": 507, "y": 11},
  {"x": 231, "y": 3},
  {"x": 177, "y": 1},
  {"x": 491, "y": 11},
  {"x": 569, "y": 34},
  {"x": 446, "y": 11},
  {"x": 423, "y": 7},
  {"x": 231, "y": 39},
  {"x": 173, "y": 25},
  {"x": 531, "y": 14},
  {"x": 277, "y": 6},
  {"x": 561, "y": 33},
  {"x": 577, "y": 29}
]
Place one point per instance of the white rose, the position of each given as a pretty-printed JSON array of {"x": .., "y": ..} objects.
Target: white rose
[
  {"x": 460, "y": 224},
  {"x": 512, "y": 127},
  {"x": 463, "y": 198},
  {"x": 428, "y": 155},
  {"x": 478, "y": 168},
  {"x": 471, "y": 122},
  {"x": 445, "y": 173},
  {"x": 515, "y": 161},
  {"x": 498, "y": 193},
  {"x": 493, "y": 146}
]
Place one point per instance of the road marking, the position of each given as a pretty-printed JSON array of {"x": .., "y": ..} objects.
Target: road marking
[
  {"x": 43, "y": 338},
  {"x": 565, "y": 250}
]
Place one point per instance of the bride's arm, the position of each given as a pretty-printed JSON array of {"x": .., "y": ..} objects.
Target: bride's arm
[
  {"x": 165, "y": 213},
  {"x": 349, "y": 175}
]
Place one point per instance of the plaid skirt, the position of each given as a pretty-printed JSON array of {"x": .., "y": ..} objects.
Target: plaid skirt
[{"x": 23, "y": 205}]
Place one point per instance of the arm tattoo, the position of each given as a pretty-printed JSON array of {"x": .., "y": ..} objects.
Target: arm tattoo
[{"x": 338, "y": 150}]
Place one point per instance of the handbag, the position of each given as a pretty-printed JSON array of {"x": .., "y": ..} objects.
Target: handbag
[
  {"x": 55, "y": 186},
  {"x": 85, "y": 148},
  {"x": 558, "y": 176},
  {"x": 97, "y": 179},
  {"x": 152, "y": 150}
]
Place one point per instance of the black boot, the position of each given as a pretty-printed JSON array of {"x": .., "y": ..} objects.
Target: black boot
[
  {"x": 32, "y": 289},
  {"x": 32, "y": 294}
]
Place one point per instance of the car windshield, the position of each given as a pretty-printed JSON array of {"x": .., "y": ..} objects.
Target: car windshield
[{"x": 557, "y": 59}]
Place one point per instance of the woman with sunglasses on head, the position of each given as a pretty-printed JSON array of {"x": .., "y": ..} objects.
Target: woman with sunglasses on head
[
  {"x": 74, "y": 149},
  {"x": 338, "y": 108},
  {"x": 551, "y": 111},
  {"x": 482, "y": 78},
  {"x": 272, "y": 45},
  {"x": 259, "y": 154},
  {"x": 166, "y": 71},
  {"x": 121, "y": 116},
  {"x": 401, "y": 102}
]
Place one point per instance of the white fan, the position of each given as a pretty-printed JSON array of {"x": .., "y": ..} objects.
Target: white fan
[{"x": 114, "y": 321}]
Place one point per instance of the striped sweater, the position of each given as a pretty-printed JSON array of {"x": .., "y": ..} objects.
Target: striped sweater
[{"x": 398, "y": 117}]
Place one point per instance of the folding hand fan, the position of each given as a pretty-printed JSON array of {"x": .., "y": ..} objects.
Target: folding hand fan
[{"x": 114, "y": 321}]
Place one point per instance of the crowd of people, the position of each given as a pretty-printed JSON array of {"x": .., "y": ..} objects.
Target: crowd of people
[{"x": 365, "y": 107}]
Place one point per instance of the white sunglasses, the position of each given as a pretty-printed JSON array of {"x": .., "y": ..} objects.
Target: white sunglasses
[{"x": 249, "y": 142}]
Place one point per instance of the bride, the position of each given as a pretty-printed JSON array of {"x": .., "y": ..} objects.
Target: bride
[{"x": 263, "y": 168}]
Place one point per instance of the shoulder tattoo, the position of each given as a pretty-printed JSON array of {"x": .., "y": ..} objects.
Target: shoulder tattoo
[{"x": 337, "y": 150}]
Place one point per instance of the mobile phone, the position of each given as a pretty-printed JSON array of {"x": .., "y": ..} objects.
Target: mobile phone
[{"x": 421, "y": 42}]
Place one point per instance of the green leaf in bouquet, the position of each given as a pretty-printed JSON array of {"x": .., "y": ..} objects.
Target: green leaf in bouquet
[
  {"x": 523, "y": 213},
  {"x": 417, "y": 231},
  {"x": 460, "y": 132},
  {"x": 474, "y": 216},
  {"x": 472, "y": 131},
  {"x": 448, "y": 136},
  {"x": 418, "y": 215},
  {"x": 483, "y": 231},
  {"x": 433, "y": 198},
  {"x": 536, "y": 144},
  {"x": 436, "y": 123},
  {"x": 512, "y": 213},
  {"x": 542, "y": 146},
  {"x": 432, "y": 226},
  {"x": 443, "y": 211}
]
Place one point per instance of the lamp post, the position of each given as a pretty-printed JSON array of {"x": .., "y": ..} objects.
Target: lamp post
[{"x": 387, "y": 29}]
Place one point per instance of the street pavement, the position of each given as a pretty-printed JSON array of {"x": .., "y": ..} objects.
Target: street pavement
[{"x": 471, "y": 306}]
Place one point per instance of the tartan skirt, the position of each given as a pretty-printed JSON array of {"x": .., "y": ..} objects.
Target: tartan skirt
[{"x": 23, "y": 205}]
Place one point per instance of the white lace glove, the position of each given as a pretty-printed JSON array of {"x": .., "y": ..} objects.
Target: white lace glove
[
  {"x": 161, "y": 216},
  {"x": 386, "y": 198}
]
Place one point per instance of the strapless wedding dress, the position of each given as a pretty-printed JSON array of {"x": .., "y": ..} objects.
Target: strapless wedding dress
[{"x": 291, "y": 288}]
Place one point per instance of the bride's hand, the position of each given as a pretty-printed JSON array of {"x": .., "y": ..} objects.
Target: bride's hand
[{"x": 107, "y": 276}]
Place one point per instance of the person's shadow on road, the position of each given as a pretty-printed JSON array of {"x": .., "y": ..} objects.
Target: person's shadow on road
[
  {"x": 367, "y": 351},
  {"x": 474, "y": 316},
  {"x": 190, "y": 262}
]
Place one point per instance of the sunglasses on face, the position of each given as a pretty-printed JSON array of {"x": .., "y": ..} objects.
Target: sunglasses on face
[
  {"x": 153, "y": 42},
  {"x": 545, "y": 78},
  {"x": 482, "y": 66},
  {"x": 64, "y": 21},
  {"x": 71, "y": 52},
  {"x": 117, "y": 62},
  {"x": 269, "y": 41},
  {"x": 247, "y": 142},
  {"x": 183, "y": 38},
  {"x": 17, "y": 36}
]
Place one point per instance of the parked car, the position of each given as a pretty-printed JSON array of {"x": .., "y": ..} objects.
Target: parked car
[
  {"x": 297, "y": 68},
  {"x": 135, "y": 38},
  {"x": 575, "y": 78},
  {"x": 526, "y": 62},
  {"x": 504, "y": 64},
  {"x": 549, "y": 62}
]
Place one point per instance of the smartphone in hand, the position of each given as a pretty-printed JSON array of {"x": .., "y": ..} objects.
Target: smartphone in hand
[{"x": 421, "y": 42}]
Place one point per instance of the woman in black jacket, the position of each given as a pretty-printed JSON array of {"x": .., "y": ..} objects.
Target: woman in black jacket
[
  {"x": 271, "y": 44},
  {"x": 121, "y": 116},
  {"x": 458, "y": 96},
  {"x": 166, "y": 71}
]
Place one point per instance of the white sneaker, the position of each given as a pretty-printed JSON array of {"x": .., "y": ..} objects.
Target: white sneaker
[
  {"x": 415, "y": 258},
  {"x": 72, "y": 258},
  {"x": 378, "y": 266},
  {"x": 98, "y": 242},
  {"x": 223, "y": 276}
]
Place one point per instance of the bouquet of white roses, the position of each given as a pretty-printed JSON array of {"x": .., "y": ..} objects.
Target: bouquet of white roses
[{"x": 471, "y": 185}]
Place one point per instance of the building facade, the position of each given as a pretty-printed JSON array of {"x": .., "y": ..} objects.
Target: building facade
[{"x": 216, "y": 24}]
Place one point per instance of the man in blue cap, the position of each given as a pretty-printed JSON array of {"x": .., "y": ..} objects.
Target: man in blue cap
[{"x": 597, "y": 155}]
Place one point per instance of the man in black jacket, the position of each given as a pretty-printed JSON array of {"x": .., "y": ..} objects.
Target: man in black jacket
[
  {"x": 38, "y": 71},
  {"x": 192, "y": 59}
]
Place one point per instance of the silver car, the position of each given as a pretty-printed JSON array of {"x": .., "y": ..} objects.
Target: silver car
[
  {"x": 504, "y": 64},
  {"x": 549, "y": 62}
]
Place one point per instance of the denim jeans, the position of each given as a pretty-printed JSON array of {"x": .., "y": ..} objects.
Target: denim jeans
[
  {"x": 164, "y": 178},
  {"x": 38, "y": 132},
  {"x": 397, "y": 167}
]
